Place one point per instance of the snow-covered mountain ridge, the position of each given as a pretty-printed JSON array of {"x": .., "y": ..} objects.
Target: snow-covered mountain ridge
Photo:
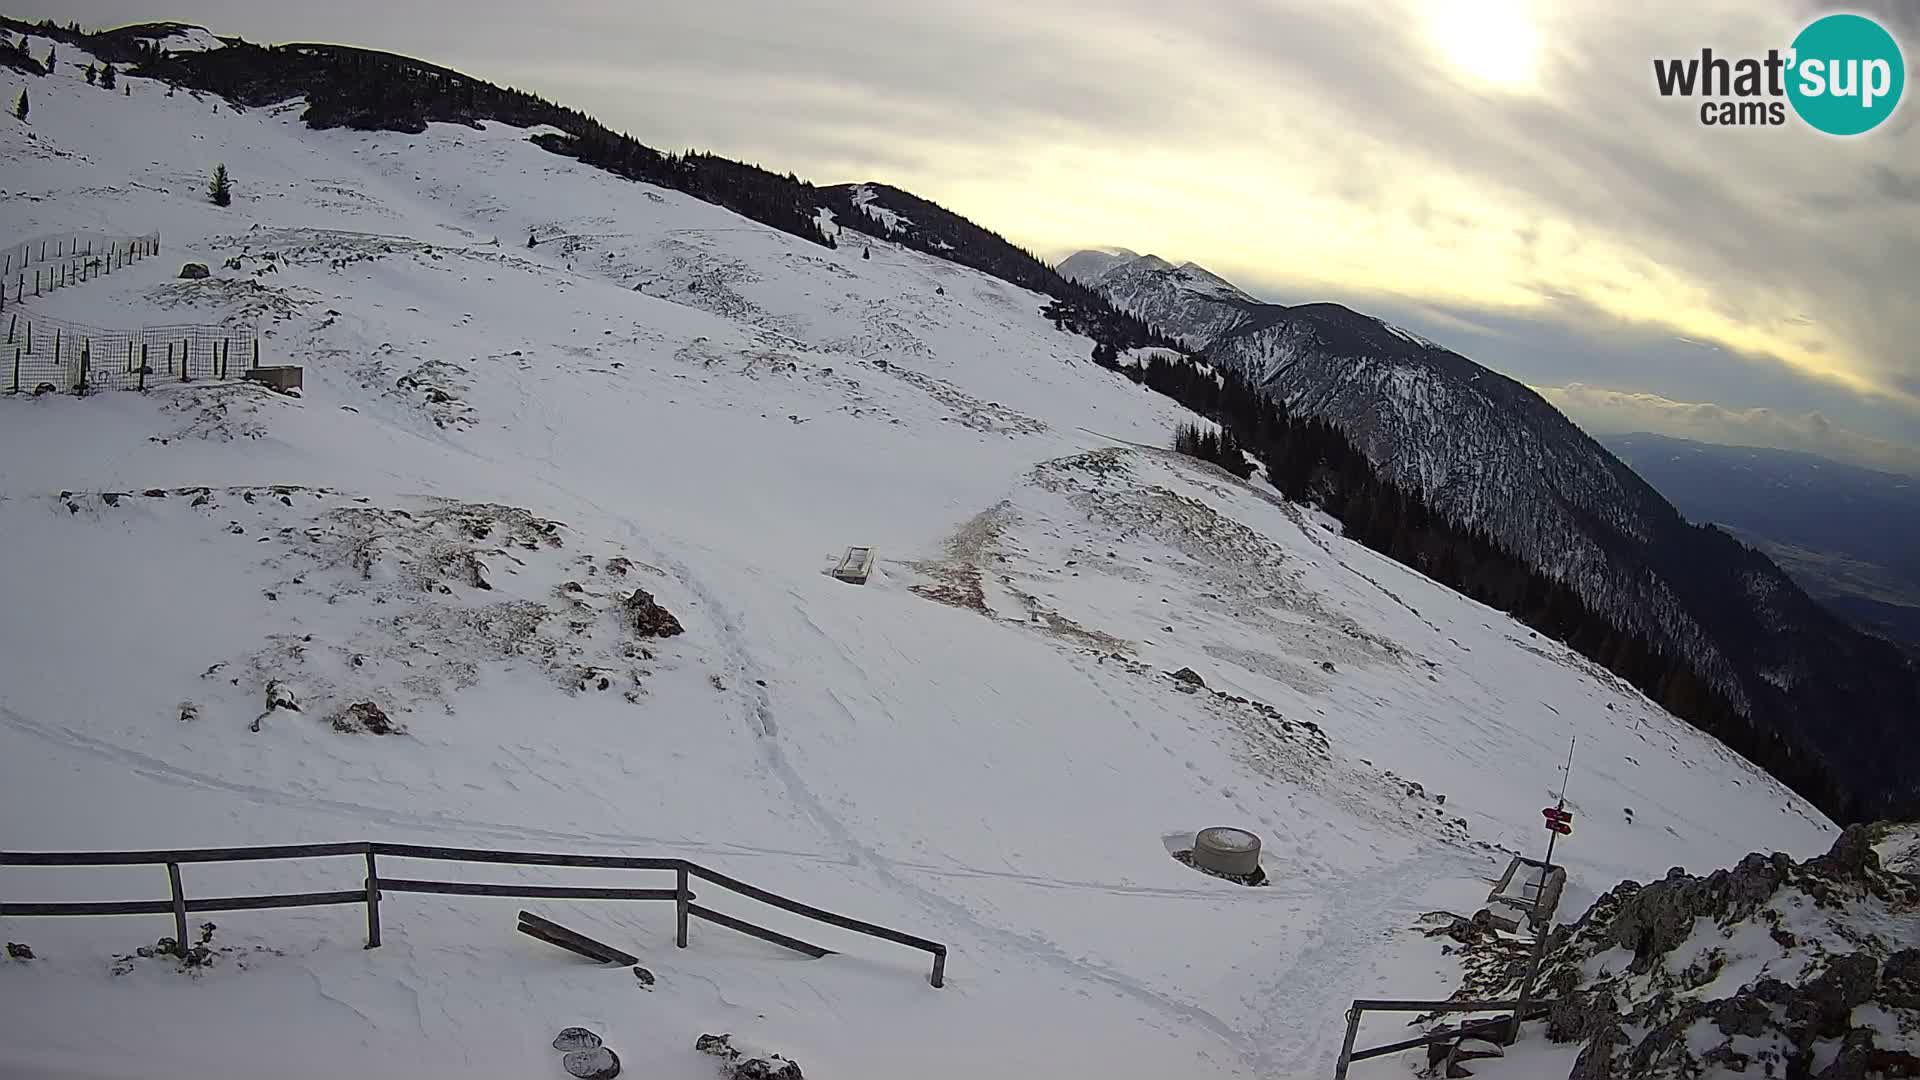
[
  {"x": 498, "y": 445},
  {"x": 1490, "y": 453}
]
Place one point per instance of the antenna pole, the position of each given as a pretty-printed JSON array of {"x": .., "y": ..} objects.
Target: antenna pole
[{"x": 1552, "y": 837}]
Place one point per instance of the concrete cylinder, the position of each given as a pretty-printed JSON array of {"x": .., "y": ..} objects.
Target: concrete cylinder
[{"x": 1227, "y": 850}]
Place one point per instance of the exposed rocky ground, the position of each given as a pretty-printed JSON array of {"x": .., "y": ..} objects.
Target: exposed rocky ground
[{"x": 1773, "y": 968}]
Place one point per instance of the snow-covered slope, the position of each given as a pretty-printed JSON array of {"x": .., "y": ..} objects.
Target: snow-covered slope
[{"x": 497, "y": 445}]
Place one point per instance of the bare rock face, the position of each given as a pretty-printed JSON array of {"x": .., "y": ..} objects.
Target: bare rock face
[
  {"x": 648, "y": 618},
  {"x": 195, "y": 271}
]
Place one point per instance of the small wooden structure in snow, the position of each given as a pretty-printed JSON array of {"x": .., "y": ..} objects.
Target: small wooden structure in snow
[{"x": 855, "y": 566}]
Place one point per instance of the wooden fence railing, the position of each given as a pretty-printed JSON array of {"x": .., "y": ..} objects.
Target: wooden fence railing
[{"x": 374, "y": 886}]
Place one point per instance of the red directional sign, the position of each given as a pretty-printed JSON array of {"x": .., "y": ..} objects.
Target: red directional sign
[{"x": 1558, "y": 820}]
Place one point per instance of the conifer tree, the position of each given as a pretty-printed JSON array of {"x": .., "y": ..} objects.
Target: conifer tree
[
  {"x": 220, "y": 190},
  {"x": 20, "y": 106},
  {"x": 93, "y": 75},
  {"x": 50, "y": 58},
  {"x": 107, "y": 77}
]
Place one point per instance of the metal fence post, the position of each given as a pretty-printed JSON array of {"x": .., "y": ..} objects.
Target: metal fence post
[
  {"x": 939, "y": 977},
  {"x": 680, "y": 906},
  {"x": 373, "y": 901},
  {"x": 179, "y": 909},
  {"x": 1346, "y": 1048}
]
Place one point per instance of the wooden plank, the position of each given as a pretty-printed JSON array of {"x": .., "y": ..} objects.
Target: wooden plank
[
  {"x": 571, "y": 946},
  {"x": 817, "y": 914},
  {"x": 192, "y": 855},
  {"x": 563, "y": 892},
  {"x": 572, "y": 940},
  {"x": 523, "y": 858},
  {"x": 760, "y": 932},
  {"x": 278, "y": 900},
  {"x": 111, "y": 907}
]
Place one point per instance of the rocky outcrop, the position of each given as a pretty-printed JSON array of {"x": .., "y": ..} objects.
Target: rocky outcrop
[
  {"x": 648, "y": 618},
  {"x": 739, "y": 1065},
  {"x": 1828, "y": 951}
]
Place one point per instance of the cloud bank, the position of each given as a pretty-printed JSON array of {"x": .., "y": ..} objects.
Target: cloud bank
[{"x": 1607, "y": 411}]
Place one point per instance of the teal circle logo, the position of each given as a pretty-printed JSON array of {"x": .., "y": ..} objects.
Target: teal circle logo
[{"x": 1846, "y": 75}]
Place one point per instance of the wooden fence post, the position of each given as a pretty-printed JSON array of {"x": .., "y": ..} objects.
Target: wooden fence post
[
  {"x": 86, "y": 363},
  {"x": 16, "y": 369},
  {"x": 373, "y": 902},
  {"x": 256, "y": 352},
  {"x": 143, "y": 367},
  {"x": 179, "y": 909},
  {"x": 12, "y": 325},
  {"x": 680, "y": 899},
  {"x": 939, "y": 977}
]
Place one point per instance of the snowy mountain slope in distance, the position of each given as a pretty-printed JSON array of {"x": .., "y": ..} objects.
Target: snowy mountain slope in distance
[
  {"x": 1087, "y": 266},
  {"x": 1489, "y": 452},
  {"x": 1189, "y": 302},
  {"x": 497, "y": 443}
]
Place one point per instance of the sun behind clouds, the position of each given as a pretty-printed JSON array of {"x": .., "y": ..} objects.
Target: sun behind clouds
[{"x": 1491, "y": 43}]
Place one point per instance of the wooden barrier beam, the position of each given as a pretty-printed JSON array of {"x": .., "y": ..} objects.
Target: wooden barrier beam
[
  {"x": 552, "y": 892},
  {"x": 523, "y": 858},
  {"x": 760, "y": 932},
  {"x": 573, "y": 941},
  {"x": 817, "y": 914},
  {"x": 138, "y": 858},
  {"x": 279, "y": 900}
]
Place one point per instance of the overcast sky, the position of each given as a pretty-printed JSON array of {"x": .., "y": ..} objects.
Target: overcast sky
[{"x": 1499, "y": 174}]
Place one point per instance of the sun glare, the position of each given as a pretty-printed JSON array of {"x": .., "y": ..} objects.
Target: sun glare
[{"x": 1492, "y": 42}]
